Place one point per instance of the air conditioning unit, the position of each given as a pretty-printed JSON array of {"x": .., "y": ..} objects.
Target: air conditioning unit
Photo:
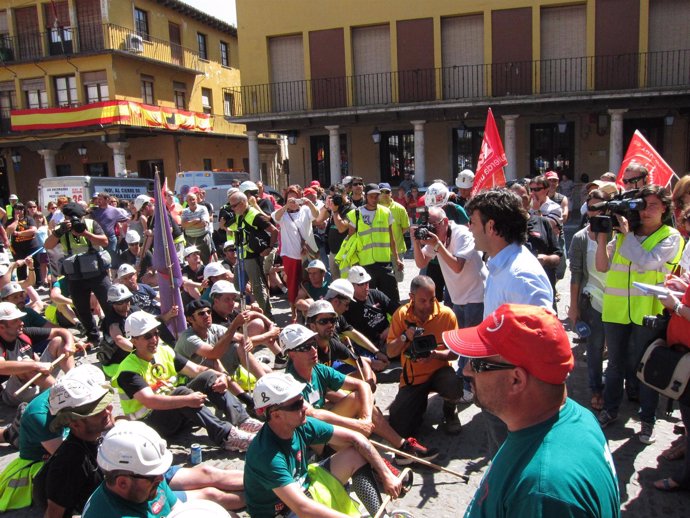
[{"x": 135, "y": 43}]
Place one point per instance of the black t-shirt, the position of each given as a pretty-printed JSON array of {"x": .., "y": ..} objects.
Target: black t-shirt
[
  {"x": 342, "y": 325},
  {"x": 336, "y": 351},
  {"x": 192, "y": 275},
  {"x": 71, "y": 475},
  {"x": 541, "y": 239},
  {"x": 360, "y": 202},
  {"x": 370, "y": 317},
  {"x": 112, "y": 317},
  {"x": 132, "y": 382},
  {"x": 336, "y": 238},
  {"x": 23, "y": 246},
  {"x": 266, "y": 206}
]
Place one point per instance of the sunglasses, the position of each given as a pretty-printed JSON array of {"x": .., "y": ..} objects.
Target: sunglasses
[
  {"x": 149, "y": 478},
  {"x": 479, "y": 365},
  {"x": 122, "y": 302},
  {"x": 149, "y": 335},
  {"x": 203, "y": 312},
  {"x": 354, "y": 184},
  {"x": 536, "y": 189},
  {"x": 593, "y": 207},
  {"x": 306, "y": 346},
  {"x": 292, "y": 407},
  {"x": 327, "y": 320},
  {"x": 634, "y": 180}
]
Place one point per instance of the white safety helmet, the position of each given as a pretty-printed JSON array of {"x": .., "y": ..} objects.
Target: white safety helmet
[
  {"x": 358, "y": 275},
  {"x": 78, "y": 387},
  {"x": 275, "y": 388},
  {"x": 248, "y": 186},
  {"x": 465, "y": 179},
  {"x": 118, "y": 293},
  {"x": 221, "y": 287},
  {"x": 197, "y": 508},
  {"x": 343, "y": 287},
  {"x": 436, "y": 195},
  {"x": 294, "y": 335},
  {"x": 320, "y": 306},
  {"x": 214, "y": 269},
  {"x": 134, "y": 447},
  {"x": 142, "y": 200},
  {"x": 140, "y": 323}
]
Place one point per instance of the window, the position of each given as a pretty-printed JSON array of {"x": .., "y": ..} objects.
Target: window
[
  {"x": 231, "y": 163},
  {"x": 8, "y": 102},
  {"x": 147, "y": 89},
  {"x": 467, "y": 143},
  {"x": 66, "y": 91},
  {"x": 208, "y": 166},
  {"x": 95, "y": 86},
  {"x": 228, "y": 104},
  {"x": 397, "y": 156},
  {"x": 179, "y": 95},
  {"x": 207, "y": 100},
  {"x": 203, "y": 50},
  {"x": 141, "y": 23},
  {"x": 551, "y": 149},
  {"x": 224, "y": 55},
  {"x": 35, "y": 94}
]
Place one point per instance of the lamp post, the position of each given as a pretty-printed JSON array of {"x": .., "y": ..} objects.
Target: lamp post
[
  {"x": 82, "y": 154},
  {"x": 376, "y": 135},
  {"x": 16, "y": 159}
]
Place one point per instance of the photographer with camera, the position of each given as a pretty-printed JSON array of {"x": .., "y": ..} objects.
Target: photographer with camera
[
  {"x": 646, "y": 252},
  {"x": 415, "y": 335},
  {"x": 85, "y": 263},
  {"x": 334, "y": 212}
]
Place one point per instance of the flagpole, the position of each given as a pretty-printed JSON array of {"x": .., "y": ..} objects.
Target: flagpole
[{"x": 166, "y": 250}]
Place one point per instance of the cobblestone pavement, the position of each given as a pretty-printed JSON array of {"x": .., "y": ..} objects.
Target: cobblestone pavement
[{"x": 437, "y": 494}]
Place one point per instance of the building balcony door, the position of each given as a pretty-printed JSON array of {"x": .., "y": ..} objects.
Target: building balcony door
[
  {"x": 397, "y": 156},
  {"x": 551, "y": 149},
  {"x": 321, "y": 159}
]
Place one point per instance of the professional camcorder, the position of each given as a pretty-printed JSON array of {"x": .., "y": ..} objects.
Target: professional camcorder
[
  {"x": 627, "y": 204},
  {"x": 421, "y": 345}
]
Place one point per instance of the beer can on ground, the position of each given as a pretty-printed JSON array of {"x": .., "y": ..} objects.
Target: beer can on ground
[{"x": 195, "y": 454}]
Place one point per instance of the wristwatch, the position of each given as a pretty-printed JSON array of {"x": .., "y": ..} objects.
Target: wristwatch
[{"x": 404, "y": 338}]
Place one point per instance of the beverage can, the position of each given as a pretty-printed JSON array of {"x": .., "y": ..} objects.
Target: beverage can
[{"x": 195, "y": 454}]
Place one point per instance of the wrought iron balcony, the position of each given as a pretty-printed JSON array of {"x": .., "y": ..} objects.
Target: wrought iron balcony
[
  {"x": 90, "y": 38},
  {"x": 539, "y": 78}
]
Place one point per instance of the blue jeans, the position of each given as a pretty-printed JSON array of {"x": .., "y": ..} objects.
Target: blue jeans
[
  {"x": 468, "y": 315},
  {"x": 626, "y": 343},
  {"x": 595, "y": 343}
]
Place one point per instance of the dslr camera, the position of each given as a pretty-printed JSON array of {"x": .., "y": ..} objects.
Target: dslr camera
[
  {"x": 421, "y": 345},
  {"x": 337, "y": 200},
  {"x": 627, "y": 204},
  {"x": 421, "y": 233},
  {"x": 78, "y": 225},
  {"x": 656, "y": 322}
]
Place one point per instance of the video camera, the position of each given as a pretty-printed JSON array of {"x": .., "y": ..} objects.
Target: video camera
[
  {"x": 421, "y": 346},
  {"x": 627, "y": 204},
  {"x": 421, "y": 233}
]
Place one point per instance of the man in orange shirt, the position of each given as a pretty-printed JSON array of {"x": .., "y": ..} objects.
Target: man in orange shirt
[{"x": 415, "y": 334}]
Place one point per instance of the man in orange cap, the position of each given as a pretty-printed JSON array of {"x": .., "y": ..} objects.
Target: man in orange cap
[{"x": 519, "y": 359}]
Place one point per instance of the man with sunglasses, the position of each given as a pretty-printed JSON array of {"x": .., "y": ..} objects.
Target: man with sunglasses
[
  {"x": 278, "y": 479},
  {"x": 519, "y": 359},
  {"x": 357, "y": 198},
  {"x": 150, "y": 385},
  {"x": 635, "y": 176}
]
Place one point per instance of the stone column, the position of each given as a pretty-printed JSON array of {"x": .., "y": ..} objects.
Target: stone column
[
  {"x": 254, "y": 165},
  {"x": 334, "y": 150},
  {"x": 510, "y": 146},
  {"x": 49, "y": 161},
  {"x": 119, "y": 157},
  {"x": 616, "y": 140},
  {"x": 419, "y": 158}
]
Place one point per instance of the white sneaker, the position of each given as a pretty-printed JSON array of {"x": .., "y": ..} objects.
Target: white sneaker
[
  {"x": 646, "y": 434},
  {"x": 251, "y": 425},
  {"x": 238, "y": 440}
]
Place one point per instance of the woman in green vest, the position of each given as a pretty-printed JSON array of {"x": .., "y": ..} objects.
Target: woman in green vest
[{"x": 646, "y": 254}]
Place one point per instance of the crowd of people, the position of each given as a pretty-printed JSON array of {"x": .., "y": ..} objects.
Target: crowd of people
[{"x": 479, "y": 325}]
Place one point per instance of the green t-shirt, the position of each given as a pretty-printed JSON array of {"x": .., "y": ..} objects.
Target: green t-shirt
[
  {"x": 323, "y": 379},
  {"x": 561, "y": 467},
  {"x": 103, "y": 503},
  {"x": 273, "y": 462},
  {"x": 34, "y": 429}
]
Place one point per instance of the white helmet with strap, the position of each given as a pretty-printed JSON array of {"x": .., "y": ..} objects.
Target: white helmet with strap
[
  {"x": 436, "y": 195},
  {"x": 134, "y": 447}
]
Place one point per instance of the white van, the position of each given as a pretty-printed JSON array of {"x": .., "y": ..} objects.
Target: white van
[
  {"x": 83, "y": 188},
  {"x": 215, "y": 183}
]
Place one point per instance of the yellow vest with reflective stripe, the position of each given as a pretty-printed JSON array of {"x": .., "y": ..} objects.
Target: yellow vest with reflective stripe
[
  {"x": 624, "y": 303},
  {"x": 231, "y": 230},
  {"x": 160, "y": 369},
  {"x": 375, "y": 239},
  {"x": 401, "y": 222}
]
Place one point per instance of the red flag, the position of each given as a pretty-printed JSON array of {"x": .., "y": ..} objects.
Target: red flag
[
  {"x": 641, "y": 152},
  {"x": 492, "y": 159}
]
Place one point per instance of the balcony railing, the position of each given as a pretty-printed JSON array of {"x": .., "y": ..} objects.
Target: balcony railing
[
  {"x": 65, "y": 41},
  {"x": 644, "y": 71}
]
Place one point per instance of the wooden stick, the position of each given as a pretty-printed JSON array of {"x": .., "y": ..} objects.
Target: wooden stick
[
  {"x": 419, "y": 461},
  {"x": 358, "y": 358},
  {"x": 38, "y": 375},
  {"x": 387, "y": 499}
]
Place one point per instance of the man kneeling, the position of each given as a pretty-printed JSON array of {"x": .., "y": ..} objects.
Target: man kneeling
[{"x": 277, "y": 475}]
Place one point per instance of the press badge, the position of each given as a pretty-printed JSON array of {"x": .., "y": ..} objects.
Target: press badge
[{"x": 314, "y": 397}]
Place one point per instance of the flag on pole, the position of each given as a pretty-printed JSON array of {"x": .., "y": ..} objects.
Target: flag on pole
[
  {"x": 166, "y": 262},
  {"x": 492, "y": 159},
  {"x": 642, "y": 152}
]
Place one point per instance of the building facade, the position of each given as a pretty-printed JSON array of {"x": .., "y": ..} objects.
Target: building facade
[
  {"x": 119, "y": 87},
  {"x": 377, "y": 89}
]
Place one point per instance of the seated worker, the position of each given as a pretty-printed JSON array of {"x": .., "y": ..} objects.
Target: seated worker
[
  {"x": 115, "y": 346},
  {"x": 135, "y": 256},
  {"x": 7, "y": 274},
  {"x": 315, "y": 287},
  {"x": 61, "y": 309},
  {"x": 219, "y": 347},
  {"x": 213, "y": 272},
  {"x": 323, "y": 400},
  {"x": 277, "y": 476},
  {"x": 19, "y": 362},
  {"x": 321, "y": 318},
  {"x": 341, "y": 294},
  {"x": 224, "y": 310},
  {"x": 415, "y": 334},
  {"x": 83, "y": 406},
  {"x": 150, "y": 388},
  {"x": 143, "y": 295},
  {"x": 229, "y": 260},
  {"x": 370, "y": 310},
  {"x": 192, "y": 274}
]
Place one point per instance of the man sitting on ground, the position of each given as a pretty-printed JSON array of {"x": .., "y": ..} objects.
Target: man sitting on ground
[
  {"x": 315, "y": 287},
  {"x": 142, "y": 261}
]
